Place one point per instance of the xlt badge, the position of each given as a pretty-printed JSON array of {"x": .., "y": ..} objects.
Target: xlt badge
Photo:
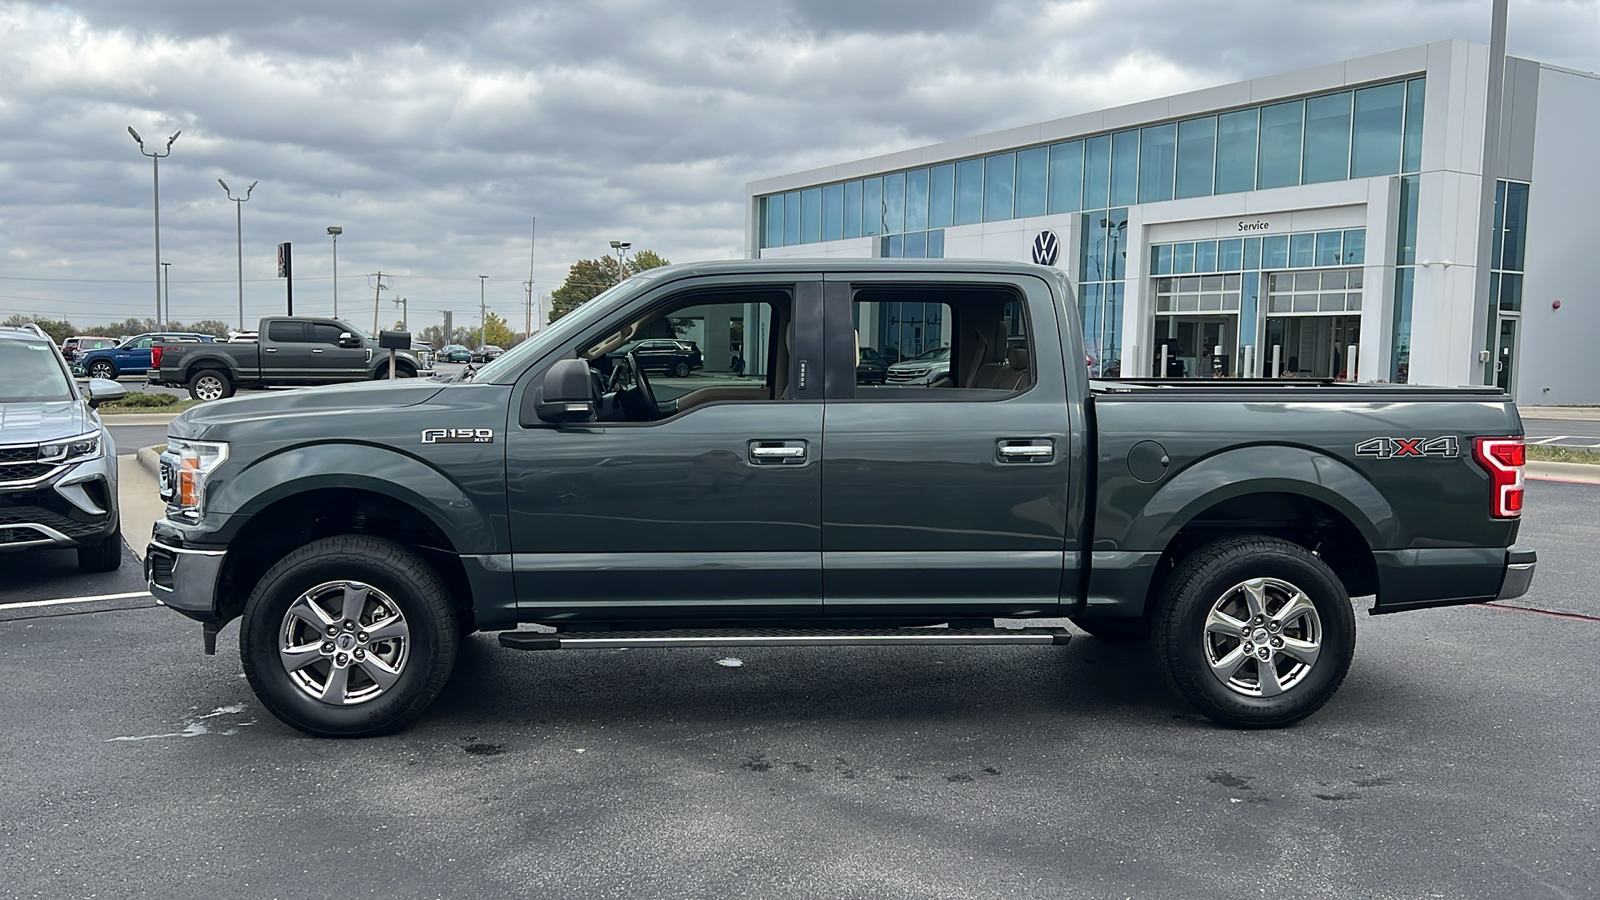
[{"x": 458, "y": 435}]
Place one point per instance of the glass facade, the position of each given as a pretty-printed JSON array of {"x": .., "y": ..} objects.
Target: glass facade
[
  {"x": 1362, "y": 133},
  {"x": 1507, "y": 255},
  {"x": 1405, "y": 282}
]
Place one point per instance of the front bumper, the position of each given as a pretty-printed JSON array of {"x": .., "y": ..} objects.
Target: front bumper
[
  {"x": 1520, "y": 564},
  {"x": 186, "y": 580},
  {"x": 72, "y": 505}
]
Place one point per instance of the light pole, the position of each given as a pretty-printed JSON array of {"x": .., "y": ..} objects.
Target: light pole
[
  {"x": 334, "y": 231},
  {"x": 405, "y": 313},
  {"x": 166, "y": 276},
  {"x": 155, "y": 169},
  {"x": 483, "y": 313},
  {"x": 238, "y": 235},
  {"x": 622, "y": 259}
]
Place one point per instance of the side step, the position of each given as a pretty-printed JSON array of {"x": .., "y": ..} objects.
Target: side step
[{"x": 779, "y": 637}]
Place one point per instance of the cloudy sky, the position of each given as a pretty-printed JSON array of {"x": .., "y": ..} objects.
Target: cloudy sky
[{"x": 435, "y": 132}]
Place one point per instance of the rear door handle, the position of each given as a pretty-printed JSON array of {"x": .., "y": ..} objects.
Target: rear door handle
[
  {"x": 777, "y": 453},
  {"x": 316, "y": 349},
  {"x": 269, "y": 349},
  {"x": 1026, "y": 450}
]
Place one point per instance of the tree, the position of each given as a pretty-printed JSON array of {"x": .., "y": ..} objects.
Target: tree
[
  {"x": 497, "y": 332},
  {"x": 589, "y": 277},
  {"x": 58, "y": 329},
  {"x": 214, "y": 327}
]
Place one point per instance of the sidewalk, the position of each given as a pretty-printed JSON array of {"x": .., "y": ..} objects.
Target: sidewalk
[
  {"x": 1581, "y": 413},
  {"x": 138, "y": 418},
  {"x": 138, "y": 493}
]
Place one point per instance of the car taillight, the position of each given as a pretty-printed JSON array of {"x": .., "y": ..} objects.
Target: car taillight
[
  {"x": 155, "y": 357},
  {"x": 1503, "y": 458}
]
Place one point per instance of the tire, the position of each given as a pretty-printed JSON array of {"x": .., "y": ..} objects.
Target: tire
[
  {"x": 1299, "y": 616},
  {"x": 210, "y": 384},
  {"x": 405, "y": 372},
  {"x": 103, "y": 368},
  {"x": 381, "y": 690},
  {"x": 681, "y": 369},
  {"x": 102, "y": 556},
  {"x": 1116, "y": 631}
]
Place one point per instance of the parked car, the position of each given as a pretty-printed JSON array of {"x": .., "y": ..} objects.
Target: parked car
[
  {"x": 296, "y": 350},
  {"x": 454, "y": 353},
  {"x": 924, "y": 368},
  {"x": 871, "y": 367},
  {"x": 486, "y": 353},
  {"x": 359, "y": 533},
  {"x": 243, "y": 337},
  {"x": 79, "y": 344},
  {"x": 132, "y": 356},
  {"x": 58, "y": 464},
  {"x": 674, "y": 357},
  {"x": 425, "y": 353}
]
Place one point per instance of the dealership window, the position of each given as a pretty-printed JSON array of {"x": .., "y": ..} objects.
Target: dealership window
[
  {"x": 894, "y": 203},
  {"x": 1066, "y": 177},
  {"x": 1197, "y": 152},
  {"x": 1379, "y": 122},
  {"x": 1282, "y": 125},
  {"x": 941, "y": 196},
  {"x": 1327, "y": 141},
  {"x": 1032, "y": 175},
  {"x": 1158, "y": 148},
  {"x": 916, "y": 200},
  {"x": 999, "y": 186}
]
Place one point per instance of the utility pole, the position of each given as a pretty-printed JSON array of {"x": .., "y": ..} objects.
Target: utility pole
[
  {"x": 375, "y": 295},
  {"x": 166, "y": 275},
  {"x": 483, "y": 313},
  {"x": 527, "y": 309}
]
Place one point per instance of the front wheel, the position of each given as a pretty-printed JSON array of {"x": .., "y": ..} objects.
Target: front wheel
[
  {"x": 348, "y": 636},
  {"x": 102, "y": 369},
  {"x": 1255, "y": 631},
  {"x": 104, "y": 556}
]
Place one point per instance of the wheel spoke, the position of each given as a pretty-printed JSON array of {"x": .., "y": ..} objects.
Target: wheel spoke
[
  {"x": 298, "y": 657},
  {"x": 1219, "y": 622},
  {"x": 1267, "y": 674},
  {"x": 379, "y": 671},
  {"x": 355, "y": 600},
  {"x": 1298, "y": 605},
  {"x": 388, "y": 629},
  {"x": 1226, "y": 667},
  {"x": 338, "y": 681},
  {"x": 1255, "y": 596},
  {"x": 311, "y": 614},
  {"x": 1304, "y": 651}
]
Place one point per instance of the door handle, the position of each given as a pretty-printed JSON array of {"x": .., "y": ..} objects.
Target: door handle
[
  {"x": 1034, "y": 450},
  {"x": 269, "y": 349},
  {"x": 316, "y": 349},
  {"x": 777, "y": 452}
]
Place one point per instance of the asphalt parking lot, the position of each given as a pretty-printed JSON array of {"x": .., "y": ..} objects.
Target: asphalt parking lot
[{"x": 1457, "y": 761}]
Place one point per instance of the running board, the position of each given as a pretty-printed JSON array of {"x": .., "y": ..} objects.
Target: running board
[{"x": 779, "y": 637}]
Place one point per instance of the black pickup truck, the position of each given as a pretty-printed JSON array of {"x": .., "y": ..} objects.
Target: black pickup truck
[
  {"x": 288, "y": 351},
  {"x": 360, "y": 531}
]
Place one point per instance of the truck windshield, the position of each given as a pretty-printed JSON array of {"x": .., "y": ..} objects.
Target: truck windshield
[
  {"x": 511, "y": 363},
  {"x": 29, "y": 372}
]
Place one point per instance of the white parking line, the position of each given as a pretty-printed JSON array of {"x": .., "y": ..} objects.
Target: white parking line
[
  {"x": 1559, "y": 437},
  {"x": 65, "y": 600}
]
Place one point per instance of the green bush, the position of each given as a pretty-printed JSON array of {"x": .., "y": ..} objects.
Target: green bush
[{"x": 139, "y": 400}]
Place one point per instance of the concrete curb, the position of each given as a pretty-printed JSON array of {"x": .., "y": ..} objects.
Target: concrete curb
[
  {"x": 138, "y": 495},
  {"x": 1581, "y": 473},
  {"x": 150, "y": 458},
  {"x": 139, "y": 418},
  {"x": 1579, "y": 413}
]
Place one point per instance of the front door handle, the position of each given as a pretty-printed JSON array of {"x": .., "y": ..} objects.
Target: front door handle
[
  {"x": 782, "y": 453},
  {"x": 269, "y": 349},
  {"x": 1026, "y": 450},
  {"x": 316, "y": 349}
]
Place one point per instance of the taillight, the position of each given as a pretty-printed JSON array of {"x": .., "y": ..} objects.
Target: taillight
[
  {"x": 1503, "y": 458},
  {"x": 155, "y": 357}
]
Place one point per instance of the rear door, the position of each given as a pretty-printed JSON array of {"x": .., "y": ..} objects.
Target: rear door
[
  {"x": 947, "y": 499},
  {"x": 286, "y": 351}
]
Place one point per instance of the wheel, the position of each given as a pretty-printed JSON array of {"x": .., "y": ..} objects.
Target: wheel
[
  {"x": 348, "y": 636},
  {"x": 1117, "y": 631},
  {"x": 104, "y": 556},
  {"x": 405, "y": 371},
  {"x": 681, "y": 369},
  {"x": 1255, "y": 631},
  {"x": 210, "y": 384},
  {"x": 103, "y": 368}
]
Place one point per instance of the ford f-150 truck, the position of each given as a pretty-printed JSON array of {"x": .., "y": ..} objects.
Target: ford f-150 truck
[
  {"x": 358, "y": 532},
  {"x": 288, "y": 351}
]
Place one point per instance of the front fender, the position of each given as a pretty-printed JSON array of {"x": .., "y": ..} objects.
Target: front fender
[
  {"x": 1259, "y": 470},
  {"x": 467, "y": 518}
]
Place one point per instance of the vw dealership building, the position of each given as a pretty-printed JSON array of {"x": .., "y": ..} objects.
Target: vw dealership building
[{"x": 1320, "y": 223}]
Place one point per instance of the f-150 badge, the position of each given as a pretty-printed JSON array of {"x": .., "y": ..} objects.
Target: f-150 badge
[
  {"x": 1395, "y": 448},
  {"x": 458, "y": 435}
]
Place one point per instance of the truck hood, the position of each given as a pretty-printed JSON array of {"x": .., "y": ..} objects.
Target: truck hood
[
  {"x": 33, "y": 423},
  {"x": 336, "y": 399}
]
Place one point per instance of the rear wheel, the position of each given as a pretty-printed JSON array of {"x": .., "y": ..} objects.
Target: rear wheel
[
  {"x": 104, "y": 556},
  {"x": 681, "y": 369},
  {"x": 348, "y": 636},
  {"x": 210, "y": 384},
  {"x": 1255, "y": 631}
]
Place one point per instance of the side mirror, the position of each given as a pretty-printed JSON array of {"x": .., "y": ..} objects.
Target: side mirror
[
  {"x": 104, "y": 390},
  {"x": 348, "y": 340},
  {"x": 565, "y": 395}
]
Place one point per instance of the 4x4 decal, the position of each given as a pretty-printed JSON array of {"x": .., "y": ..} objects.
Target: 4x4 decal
[{"x": 1394, "y": 448}]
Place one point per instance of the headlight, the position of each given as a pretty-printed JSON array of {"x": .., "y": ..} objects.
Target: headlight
[
  {"x": 71, "y": 450},
  {"x": 191, "y": 462}
]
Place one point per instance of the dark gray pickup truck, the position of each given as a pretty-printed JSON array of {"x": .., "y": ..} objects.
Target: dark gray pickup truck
[
  {"x": 289, "y": 351},
  {"x": 360, "y": 531}
]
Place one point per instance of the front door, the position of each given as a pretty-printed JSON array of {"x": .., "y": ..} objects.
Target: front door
[
  {"x": 949, "y": 499},
  {"x": 710, "y": 510}
]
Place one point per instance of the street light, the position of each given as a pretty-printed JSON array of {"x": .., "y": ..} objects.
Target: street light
[
  {"x": 166, "y": 276},
  {"x": 622, "y": 258},
  {"x": 483, "y": 313},
  {"x": 155, "y": 169},
  {"x": 405, "y": 313},
  {"x": 238, "y": 235},
  {"x": 334, "y": 231}
]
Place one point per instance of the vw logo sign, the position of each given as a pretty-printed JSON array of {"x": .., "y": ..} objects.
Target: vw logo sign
[{"x": 1046, "y": 248}]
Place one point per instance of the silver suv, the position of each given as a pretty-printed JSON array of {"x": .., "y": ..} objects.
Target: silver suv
[{"x": 58, "y": 465}]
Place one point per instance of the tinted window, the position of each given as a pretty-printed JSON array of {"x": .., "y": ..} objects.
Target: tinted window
[
  {"x": 325, "y": 334},
  {"x": 964, "y": 339},
  {"x": 287, "y": 332}
]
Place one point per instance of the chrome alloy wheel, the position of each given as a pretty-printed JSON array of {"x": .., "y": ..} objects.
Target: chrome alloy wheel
[
  {"x": 1262, "y": 637},
  {"x": 208, "y": 388},
  {"x": 344, "y": 642}
]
